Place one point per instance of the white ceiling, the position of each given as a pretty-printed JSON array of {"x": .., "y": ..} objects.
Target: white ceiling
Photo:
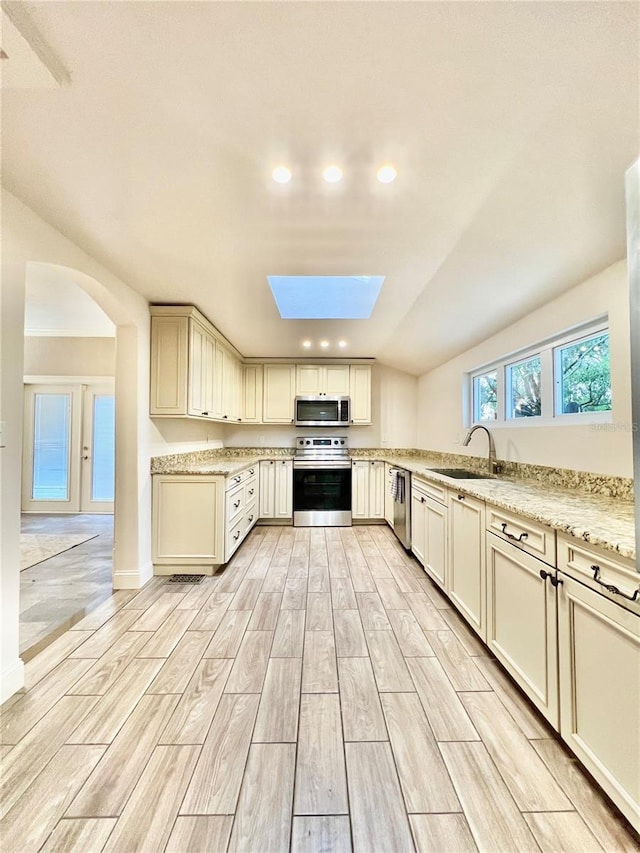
[{"x": 511, "y": 125}]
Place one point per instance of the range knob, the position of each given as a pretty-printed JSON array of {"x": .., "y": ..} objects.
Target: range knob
[
  {"x": 342, "y": 441},
  {"x": 307, "y": 441}
]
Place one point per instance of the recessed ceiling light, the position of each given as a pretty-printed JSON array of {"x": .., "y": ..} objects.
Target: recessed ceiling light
[
  {"x": 332, "y": 174},
  {"x": 342, "y": 344},
  {"x": 324, "y": 344},
  {"x": 281, "y": 175},
  {"x": 386, "y": 174},
  {"x": 306, "y": 344}
]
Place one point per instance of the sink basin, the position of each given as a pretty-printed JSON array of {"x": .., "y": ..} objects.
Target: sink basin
[{"x": 461, "y": 474}]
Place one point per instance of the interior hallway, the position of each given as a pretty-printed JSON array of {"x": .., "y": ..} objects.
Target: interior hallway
[{"x": 318, "y": 694}]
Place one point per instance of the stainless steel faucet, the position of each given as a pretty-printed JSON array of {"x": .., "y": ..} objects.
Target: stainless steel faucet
[{"x": 493, "y": 464}]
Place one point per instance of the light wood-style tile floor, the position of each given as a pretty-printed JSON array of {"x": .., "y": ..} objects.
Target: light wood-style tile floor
[{"x": 319, "y": 694}]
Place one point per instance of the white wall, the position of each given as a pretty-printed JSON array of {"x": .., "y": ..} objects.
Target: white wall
[
  {"x": 54, "y": 356},
  {"x": 393, "y": 414},
  {"x": 27, "y": 239},
  {"x": 579, "y": 447}
]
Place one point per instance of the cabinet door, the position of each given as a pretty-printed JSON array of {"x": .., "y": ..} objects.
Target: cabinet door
[
  {"x": 435, "y": 539},
  {"x": 252, "y": 393},
  {"x": 599, "y": 646},
  {"x": 418, "y": 525},
  {"x": 360, "y": 393},
  {"x": 336, "y": 380},
  {"x": 283, "y": 489},
  {"x": 218, "y": 381},
  {"x": 376, "y": 489},
  {"x": 210, "y": 375},
  {"x": 230, "y": 388},
  {"x": 188, "y": 519},
  {"x": 169, "y": 366},
  {"x": 388, "y": 500},
  {"x": 360, "y": 489},
  {"x": 279, "y": 393},
  {"x": 267, "y": 489},
  {"x": 309, "y": 380},
  {"x": 467, "y": 566},
  {"x": 197, "y": 369},
  {"x": 521, "y": 622}
]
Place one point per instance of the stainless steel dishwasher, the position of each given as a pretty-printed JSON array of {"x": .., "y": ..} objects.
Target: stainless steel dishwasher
[{"x": 400, "y": 486}]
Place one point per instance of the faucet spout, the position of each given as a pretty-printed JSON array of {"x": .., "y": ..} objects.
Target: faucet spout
[{"x": 493, "y": 464}]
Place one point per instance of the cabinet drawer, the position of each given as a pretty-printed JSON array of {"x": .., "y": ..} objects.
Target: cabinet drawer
[
  {"x": 251, "y": 489},
  {"x": 531, "y": 536},
  {"x": 429, "y": 490},
  {"x": 250, "y": 516},
  {"x": 597, "y": 567},
  {"x": 235, "y": 504}
]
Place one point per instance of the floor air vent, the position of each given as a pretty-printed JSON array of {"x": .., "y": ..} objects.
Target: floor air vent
[{"x": 186, "y": 579}]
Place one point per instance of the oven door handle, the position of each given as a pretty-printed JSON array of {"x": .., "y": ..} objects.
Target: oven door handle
[{"x": 320, "y": 465}]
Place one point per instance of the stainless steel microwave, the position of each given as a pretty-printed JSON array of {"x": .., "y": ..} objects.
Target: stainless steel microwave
[{"x": 322, "y": 410}]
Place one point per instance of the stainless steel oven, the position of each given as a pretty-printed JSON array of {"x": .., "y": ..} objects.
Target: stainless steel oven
[{"x": 321, "y": 482}]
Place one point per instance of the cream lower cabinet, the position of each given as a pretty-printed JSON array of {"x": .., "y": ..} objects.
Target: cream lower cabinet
[
  {"x": 388, "y": 499},
  {"x": 466, "y": 581},
  {"x": 276, "y": 489},
  {"x": 367, "y": 490},
  {"x": 188, "y": 523},
  {"x": 521, "y": 621},
  {"x": 429, "y": 528}
]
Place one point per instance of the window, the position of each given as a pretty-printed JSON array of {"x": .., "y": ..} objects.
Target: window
[{"x": 563, "y": 379}]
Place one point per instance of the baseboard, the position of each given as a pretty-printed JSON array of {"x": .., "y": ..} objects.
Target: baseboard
[
  {"x": 11, "y": 680},
  {"x": 133, "y": 580}
]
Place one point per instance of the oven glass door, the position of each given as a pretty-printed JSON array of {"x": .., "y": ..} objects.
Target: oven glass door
[
  {"x": 322, "y": 489},
  {"x": 317, "y": 411}
]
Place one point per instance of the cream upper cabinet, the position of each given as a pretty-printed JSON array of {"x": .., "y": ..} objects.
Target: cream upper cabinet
[
  {"x": 367, "y": 489},
  {"x": 231, "y": 387},
  {"x": 466, "y": 584},
  {"x": 169, "y": 366},
  {"x": 202, "y": 351},
  {"x": 329, "y": 379},
  {"x": 252, "y": 393},
  {"x": 360, "y": 393},
  {"x": 278, "y": 393}
]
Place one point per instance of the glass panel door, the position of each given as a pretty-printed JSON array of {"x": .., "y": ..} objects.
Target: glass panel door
[{"x": 98, "y": 449}]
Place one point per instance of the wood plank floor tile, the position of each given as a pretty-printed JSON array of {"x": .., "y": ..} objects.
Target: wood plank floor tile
[
  {"x": 106, "y": 670},
  {"x": 210, "y": 616},
  {"x": 16, "y": 721},
  {"x": 608, "y": 827},
  {"x": 104, "y": 611},
  {"x": 319, "y": 616},
  {"x": 337, "y": 560},
  {"x": 265, "y": 612},
  {"x": 111, "y": 711},
  {"x": 407, "y": 582},
  {"x": 25, "y": 760},
  {"x": 247, "y": 594},
  {"x": 150, "y": 593},
  {"x": 276, "y": 578},
  {"x": 318, "y": 580},
  {"x": 342, "y": 594},
  {"x": 215, "y": 784},
  {"x": 459, "y": 666},
  {"x": 362, "y": 717},
  {"x": 288, "y": 641},
  {"x": 295, "y": 594},
  {"x": 48, "y": 659},
  {"x": 28, "y": 823},
  {"x": 299, "y": 563},
  {"x": 469, "y": 639},
  {"x": 228, "y": 636},
  {"x": 378, "y": 817},
  {"x": 200, "y": 833},
  {"x": 82, "y": 834},
  {"x": 389, "y": 592},
  {"x": 250, "y": 665},
  {"x": 230, "y": 577},
  {"x": 446, "y": 714},
  {"x": 166, "y": 638},
  {"x": 154, "y": 616},
  {"x": 277, "y": 720},
  {"x": 410, "y": 636},
  {"x": 435, "y": 595},
  {"x": 372, "y": 612},
  {"x": 194, "y": 712},
  {"x": 319, "y": 670},
  {"x": 388, "y": 663},
  {"x": 102, "y": 639},
  {"x": 428, "y": 617},
  {"x": 321, "y": 785},
  {"x": 361, "y": 578},
  {"x": 263, "y": 816},
  {"x": 148, "y": 817},
  {"x": 377, "y": 566},
  {"x": 181, "y": 663},
  {"x": 531, "y": 784},
  {"x": 423, "y": 776},
  {"x": 108, "y": 788},
  {"x": 198, "y": 595},
  {"x": 444, "y": 833},
  {"x": 527, "y": 718},
  {"x": 562, "y": 831},
  {"x": 350, "y": 639},
  {"x": 494, "y": 820},
  {"x": 321, "y": 834}
]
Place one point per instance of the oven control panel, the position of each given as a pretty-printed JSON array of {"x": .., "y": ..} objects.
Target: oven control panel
[{"x": 321, "y": 442}]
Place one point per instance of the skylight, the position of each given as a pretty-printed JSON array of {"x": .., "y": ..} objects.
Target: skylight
[{"x": 325, "y": 297}]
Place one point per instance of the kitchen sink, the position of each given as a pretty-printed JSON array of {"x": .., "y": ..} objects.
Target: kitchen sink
[{"x": 461, "y": 474}]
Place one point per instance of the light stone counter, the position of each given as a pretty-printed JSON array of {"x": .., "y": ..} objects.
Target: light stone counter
[{"x": 214, "y": 462}]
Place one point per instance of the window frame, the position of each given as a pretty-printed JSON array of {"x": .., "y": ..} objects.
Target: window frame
[{"x": 547, "y": 350}]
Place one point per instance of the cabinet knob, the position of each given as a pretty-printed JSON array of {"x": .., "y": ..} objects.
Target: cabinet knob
[
  {"x": 225, "y": 417},
  {"x": 250, "y": 491},
  {"x": 237, "y": 536},
  {"x": 250, "y": 518},
  {"x": 544, "y": 575},
  {"x": 422, "y": 500},
  {"x": 236, "y": 504},
  {"x": 460, "y": 497},
  {"x": 205, "y": 413}
]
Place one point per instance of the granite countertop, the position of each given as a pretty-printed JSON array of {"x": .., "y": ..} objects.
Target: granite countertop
[{"x": 590, "y": 516}]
